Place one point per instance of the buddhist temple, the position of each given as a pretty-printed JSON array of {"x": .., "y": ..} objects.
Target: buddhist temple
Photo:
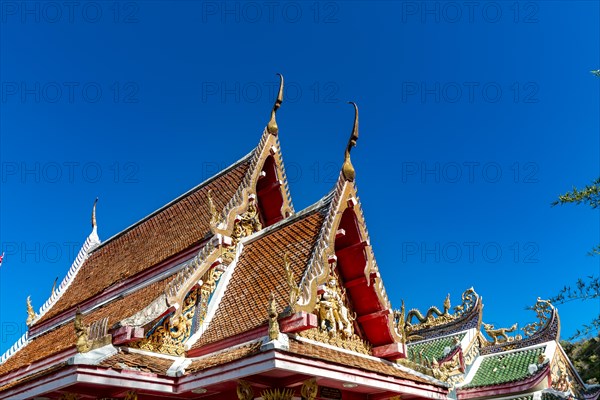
[{"x": 228, "y": 292}]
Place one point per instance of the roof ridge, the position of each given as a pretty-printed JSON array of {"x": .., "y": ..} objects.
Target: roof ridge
[{"x": 178, "y": 198}]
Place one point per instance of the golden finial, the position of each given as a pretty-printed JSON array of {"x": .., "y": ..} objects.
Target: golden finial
[
  {"x": 272, "y": 127},
  {"x": 30, "y": 313},
  {"x": 347, "y": 168},
  {"x": 94, "y": 213},
  {"x": 273, "y": 323}
]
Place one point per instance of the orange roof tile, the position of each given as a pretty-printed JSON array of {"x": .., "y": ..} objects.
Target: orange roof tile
[
  {"x": 176, "y": 227},
  {"x": 139, "y": 362},
  {"x": 63, "y": 337},
  {"x": 259, "y": 272},
  {"x": 224, "y": 357},
  {"x": 356, "y": 361}
]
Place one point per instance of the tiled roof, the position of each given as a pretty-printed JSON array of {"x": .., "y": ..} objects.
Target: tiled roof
[
  {"x": 31, "y": 377},
  {"x": 138, "y": 362},
  {"x": 224, "y": 357},
  {"x": 350, "y": 360},
  {"x": 433, "y": 348},
  {"x": 259, "y": 272},
  {"x": 505, "y": 367},
  {"x": 64, "y": 337},
  {"x": 169, "y": 231}
]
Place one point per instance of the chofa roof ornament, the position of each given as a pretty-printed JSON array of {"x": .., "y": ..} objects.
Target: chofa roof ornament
[
  {"x": 347, "y": 168},
  {"x": 94, "y": 214},
  {"x": 272, "y": 127}
]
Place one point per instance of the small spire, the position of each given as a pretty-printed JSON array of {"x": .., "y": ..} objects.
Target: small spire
[
  {"x": 54, "y": 286},
  {"x": 273, "y": 323},
  {"x": 347, "y": 168},
  {"x": 31, "y": 315},
  {"x": 94, "y": 214},
  {"x": 272, "y": 127}
]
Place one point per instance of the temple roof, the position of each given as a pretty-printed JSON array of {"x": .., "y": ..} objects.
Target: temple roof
[{"x": 227, "y": 276}]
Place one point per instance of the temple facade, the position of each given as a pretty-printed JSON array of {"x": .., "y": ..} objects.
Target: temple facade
[{"x": 229, "y": 293}]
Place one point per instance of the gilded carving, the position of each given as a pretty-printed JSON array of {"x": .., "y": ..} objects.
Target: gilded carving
[
  {"x": 335, "y": 323},
  {"x": 401, "y": 328},
  {"x": 98, "y": 335},
  {"x": 244, "y": 391},
  {"x": 472, "y": 352},
  {"x": 309, "y": 389},
  {"x": 354, "y": 343},
  {"x": 499, "y": 335},
  {"x": 291, "y": 281},
  {"x": 448, "y": 369},
  {"x": 210, "y": 280},
  {"x": 543, "y": 310},
  {"x": 214, "y": 215},
  {"x": 245, "y": 225},
  {"x": 31, "y": 315},
  {"x": 347, "y": 168},
  {"x": 433, "y": 316},
  {"x": 332, "y": 313},
  {"x": 277, "y": 394},
  {"x": 430, "y": 318},
  {"x": 272, "y": 127},
  {"x": 170, "y": 334},
  {"x": 273, "y": 324},
  {"x": 82, "y": 332},
  {"x": 562, "y": 379}
]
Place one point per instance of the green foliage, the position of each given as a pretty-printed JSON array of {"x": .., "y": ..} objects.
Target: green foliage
[
  {"x": 585, "y": 356},
  {"x": 589, "y": 195},
  {"x": 590, "y": 288}
]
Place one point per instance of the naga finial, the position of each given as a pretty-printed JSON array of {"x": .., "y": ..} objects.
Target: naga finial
[
  {"x": 347, "y": 168},
  {"x": 272, "y": 127},
  {"x": 273, "y": 323},
  {"x": 291, "y": 280},
  {"x": 30, "y": 313},
  {"x": 81, "y": 331},
  {"x": 94, "y": 213},
  {"x": 214, "y": 216}
]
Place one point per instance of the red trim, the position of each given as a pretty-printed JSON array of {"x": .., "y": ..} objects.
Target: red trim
[
  {"x": 505, "y": 388},
  {"x": 126, "y": 334},
  {"x": 298, "y": 322},
  {"x": 393, "y": 351}
]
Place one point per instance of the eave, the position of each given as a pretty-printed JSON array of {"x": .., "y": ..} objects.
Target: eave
[
  {"x": 527, "y": 384},
  {"x": 261, "y": 367}
]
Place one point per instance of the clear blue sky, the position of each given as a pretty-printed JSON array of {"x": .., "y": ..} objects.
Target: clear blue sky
[{"x": 473, "y": 118}]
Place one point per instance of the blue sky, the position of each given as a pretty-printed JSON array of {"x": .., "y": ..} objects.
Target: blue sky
[{"x": 474, "y": 116}]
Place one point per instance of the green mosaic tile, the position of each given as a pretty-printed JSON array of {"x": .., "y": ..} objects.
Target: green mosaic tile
[
  {"x": 505, "y": 367},
  {"x": 432, "y": 348}
]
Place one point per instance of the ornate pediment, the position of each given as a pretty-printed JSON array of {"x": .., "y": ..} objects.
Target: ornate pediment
[
  {"x": 335, "y": 318},
  {"x": 169, "y": 334}
]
